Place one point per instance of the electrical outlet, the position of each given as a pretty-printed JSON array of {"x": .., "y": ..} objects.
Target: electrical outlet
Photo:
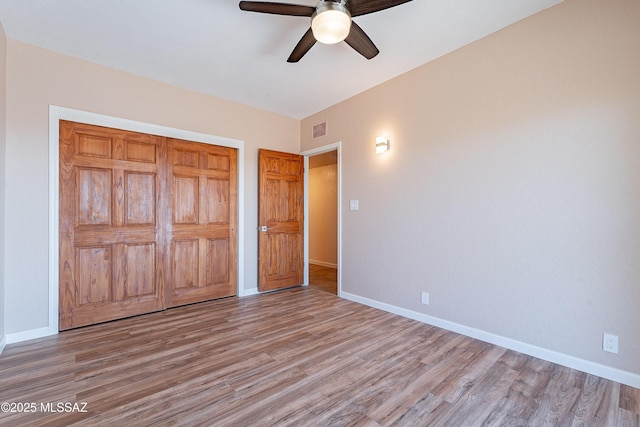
[
  {"x": 425, "y": 298},
  {"x": 610, "y": 343}
]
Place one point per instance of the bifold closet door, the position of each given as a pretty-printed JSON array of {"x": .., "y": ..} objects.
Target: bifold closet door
[
  {"x": 145, "y": 222},
  {"x": 110, "y": 224},
  {"x": 202, "y": 196}
]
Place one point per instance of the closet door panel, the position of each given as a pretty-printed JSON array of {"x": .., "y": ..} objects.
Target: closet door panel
[
  {"x": 203, "y": 231},
  {"x": 110, "y": 256}
]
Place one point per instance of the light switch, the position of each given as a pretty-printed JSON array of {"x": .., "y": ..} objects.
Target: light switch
[{"x": 353, "y": 205}]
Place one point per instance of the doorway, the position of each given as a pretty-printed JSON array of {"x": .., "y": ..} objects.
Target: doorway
[{"x": 323, "y": 218}]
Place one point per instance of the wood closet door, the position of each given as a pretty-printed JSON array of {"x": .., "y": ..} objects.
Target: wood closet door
[
  {"x": 281, "y": 218},
  {"x": 111, "y": 253},
  {"x": 202, "y": 197}
]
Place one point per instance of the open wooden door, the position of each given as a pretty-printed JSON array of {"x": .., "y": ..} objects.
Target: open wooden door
[{"x": 281, "y": 218}]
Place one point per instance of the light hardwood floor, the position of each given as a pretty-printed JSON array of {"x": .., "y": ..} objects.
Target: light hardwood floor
[{"x": 297, "y": 357}]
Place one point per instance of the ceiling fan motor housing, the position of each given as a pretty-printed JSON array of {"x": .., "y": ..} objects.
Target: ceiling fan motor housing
[{"x": 331, "y": 22}]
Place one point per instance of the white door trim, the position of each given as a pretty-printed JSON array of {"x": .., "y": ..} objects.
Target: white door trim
[
  {"x": 61, "y": 113},
  {"x": 308, "y": 153}
]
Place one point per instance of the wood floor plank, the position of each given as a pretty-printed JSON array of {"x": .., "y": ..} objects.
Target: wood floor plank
[
  {"x": 299, "y": 357},
  {"x": 559, "y": 397},
  {"x": 594, "y": 401},
  {"x": 628, "y": 419},
  {"x": 630, "y": 399},
  {"x": 505, "y": 413},
  {"x": 458, "y": 383},
  {"x": 485, "y": 395}
]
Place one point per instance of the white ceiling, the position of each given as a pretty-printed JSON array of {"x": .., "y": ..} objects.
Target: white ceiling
[{"x": 213, "y": 47}]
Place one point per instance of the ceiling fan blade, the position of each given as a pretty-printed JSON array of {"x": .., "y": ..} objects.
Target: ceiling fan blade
[
  {"x": 277, "y": 8},
  {"x": 361, "y": 42},
  {"x": 362, "y": 7},
  {"x": 306, "y": 42}
]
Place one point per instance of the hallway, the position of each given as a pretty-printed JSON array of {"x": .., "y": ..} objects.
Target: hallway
[{"x": 323, "y": 278}]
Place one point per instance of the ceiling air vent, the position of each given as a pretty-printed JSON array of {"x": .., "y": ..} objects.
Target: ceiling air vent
[{"x": 319, "y": 130}]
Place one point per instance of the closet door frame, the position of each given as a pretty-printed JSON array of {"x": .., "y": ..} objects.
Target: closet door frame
[{"x": 56, "y": 114}]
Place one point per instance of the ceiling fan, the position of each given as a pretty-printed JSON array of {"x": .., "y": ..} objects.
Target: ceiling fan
[{"x": 330, "y": 22}]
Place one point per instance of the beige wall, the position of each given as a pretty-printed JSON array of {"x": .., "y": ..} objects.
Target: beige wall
[
  {"x": 37, "y": 78},
  {"x": 511, "y": 192},
  {"x": 3, "y": 144},
  {"x": 323, "y": 215}
]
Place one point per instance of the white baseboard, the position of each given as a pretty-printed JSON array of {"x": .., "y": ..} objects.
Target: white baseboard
[
  {"x": 29, "y": 335},
  {"x": 322, "y": 263},
  {"x": 613, "y": 374},
  {"x": 3, "y": 343}
]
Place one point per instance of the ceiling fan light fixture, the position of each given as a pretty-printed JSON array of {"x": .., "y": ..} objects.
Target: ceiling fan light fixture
[{"x": 331, "y": 22}]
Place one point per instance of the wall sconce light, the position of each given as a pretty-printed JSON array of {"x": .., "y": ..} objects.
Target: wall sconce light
[{"x": 382, "y": 144}]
